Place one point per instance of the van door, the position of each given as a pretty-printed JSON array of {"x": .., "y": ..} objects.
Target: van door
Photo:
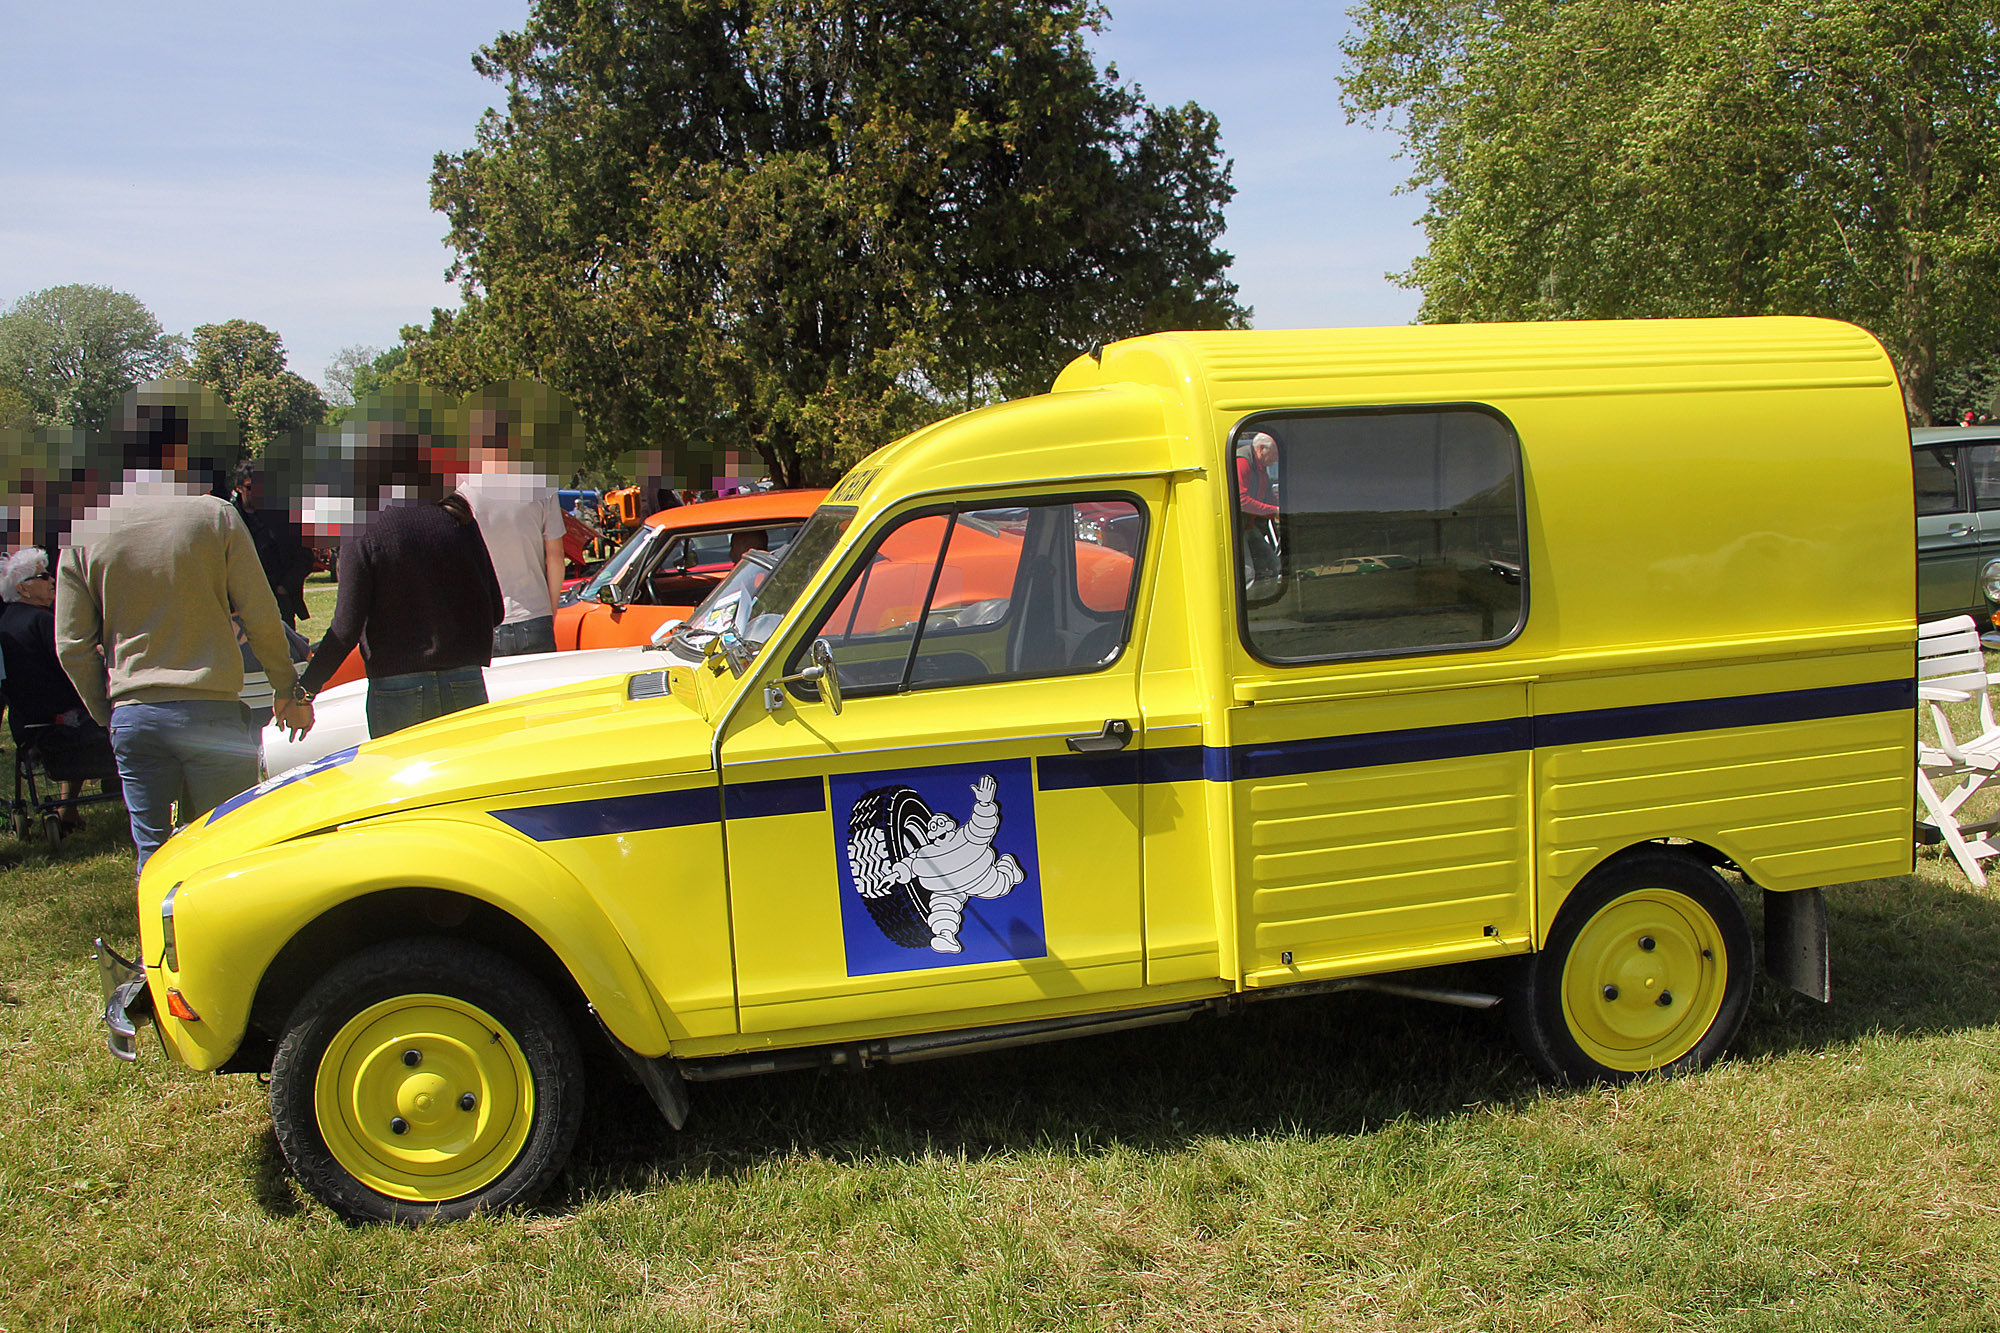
[
  {"x": 964, "y": 835},
  {"x": 1379, "y": 753}
]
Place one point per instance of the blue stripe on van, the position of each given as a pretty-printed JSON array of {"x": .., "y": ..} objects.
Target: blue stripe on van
[
  {"x": 615, "y": 814},
  {"x": 1467, "y": 740},
  {"x": 785, "y": 796},
  {"x": 1189, "y": 763},
  {"x": 1744, "y": 710}
]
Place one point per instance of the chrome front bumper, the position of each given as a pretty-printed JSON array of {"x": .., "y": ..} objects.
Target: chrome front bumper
[{"x": 127, "y": 1002}]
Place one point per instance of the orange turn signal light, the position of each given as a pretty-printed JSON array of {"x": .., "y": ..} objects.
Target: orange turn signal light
[{"x": 179, "y": 1008}]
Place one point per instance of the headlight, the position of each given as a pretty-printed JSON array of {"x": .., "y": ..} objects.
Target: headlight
[
  {"x": 1989, "y": 581},
  {"x": 172, "y": 953}
]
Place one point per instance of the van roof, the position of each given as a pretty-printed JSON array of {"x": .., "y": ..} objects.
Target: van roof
[{"x": 1245, "y": 369}]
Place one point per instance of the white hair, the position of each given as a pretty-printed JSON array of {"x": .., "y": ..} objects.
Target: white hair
[{"x": 21, "y": 566}]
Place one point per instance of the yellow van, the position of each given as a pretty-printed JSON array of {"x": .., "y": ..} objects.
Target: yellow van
[{"x": 1240, "y": 665}]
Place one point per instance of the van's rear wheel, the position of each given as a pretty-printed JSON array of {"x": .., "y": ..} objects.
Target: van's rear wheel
[
  {"x": 1647, "y": 969},
  {"x": 426, "y": 1079}
]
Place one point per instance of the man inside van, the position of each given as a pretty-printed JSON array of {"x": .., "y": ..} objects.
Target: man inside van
[{"x": 1257, "y": 497}]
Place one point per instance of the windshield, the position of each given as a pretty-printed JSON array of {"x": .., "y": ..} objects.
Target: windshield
[
  {"x": 635, "y": 546},
  {"x": 758, "y": 593}
]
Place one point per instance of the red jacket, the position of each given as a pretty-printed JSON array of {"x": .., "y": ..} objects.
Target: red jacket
[{"x": 1253, "y": 489}]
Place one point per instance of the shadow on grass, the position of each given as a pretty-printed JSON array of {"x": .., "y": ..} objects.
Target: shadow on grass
[{"x": 1910, "y": 956}]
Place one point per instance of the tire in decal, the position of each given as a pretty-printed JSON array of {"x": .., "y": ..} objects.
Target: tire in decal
[{"x": 883, "y": 827}]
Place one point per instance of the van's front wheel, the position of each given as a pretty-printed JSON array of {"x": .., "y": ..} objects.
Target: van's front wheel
[
  {"x": 1647, "y": 969},
  {"x": 426, "y": 1079}
]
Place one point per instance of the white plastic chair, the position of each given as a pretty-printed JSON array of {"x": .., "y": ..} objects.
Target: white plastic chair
[{"x": 1951, "y": 668}]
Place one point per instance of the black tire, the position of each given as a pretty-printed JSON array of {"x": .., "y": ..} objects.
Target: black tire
[
  {"x": 52, "y": 834},
  {"x": 884, "y": 826},
  {"x": 1647, "y": 969},
  {"x": 432, "y": 997},
  {"x": 22, "y": 823}
]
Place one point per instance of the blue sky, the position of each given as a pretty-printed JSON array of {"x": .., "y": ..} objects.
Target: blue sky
[{"x": 271, "y": 161}]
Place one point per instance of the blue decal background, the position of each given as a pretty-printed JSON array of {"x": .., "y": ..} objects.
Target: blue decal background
[{"x": 995, "y": 929}]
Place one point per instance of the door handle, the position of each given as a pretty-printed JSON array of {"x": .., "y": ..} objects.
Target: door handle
[
  {"x": 1958, "y": 530},
  {"x": 1117, "y": 734}
]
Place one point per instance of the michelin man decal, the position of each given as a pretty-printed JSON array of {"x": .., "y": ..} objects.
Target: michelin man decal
[{"x": 913, "y": 867}]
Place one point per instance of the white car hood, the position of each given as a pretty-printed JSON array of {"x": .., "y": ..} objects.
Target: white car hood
[{"x": 339, "y": 719}]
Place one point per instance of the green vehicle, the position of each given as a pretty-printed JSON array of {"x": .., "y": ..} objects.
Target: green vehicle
[{"x": 1958, "y": 521}]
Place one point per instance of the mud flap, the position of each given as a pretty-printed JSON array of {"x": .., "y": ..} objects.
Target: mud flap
[{"x": 1795, "y": 942}]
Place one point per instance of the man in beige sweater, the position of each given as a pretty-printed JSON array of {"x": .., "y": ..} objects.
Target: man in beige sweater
[{"x": 144, "y": 596}]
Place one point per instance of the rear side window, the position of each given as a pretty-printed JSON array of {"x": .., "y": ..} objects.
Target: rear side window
[
  {"x": 1982, "y": 467},
  {"x": 1374, "y": 533},
  {"x": 1937, "y": 480}
]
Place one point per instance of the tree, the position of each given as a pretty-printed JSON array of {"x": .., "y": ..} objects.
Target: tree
[
  {"x": 1605, "y": 158},
  {"x": 70, "y": 353},
  {"x": 244, "y": 362},
  {"x": 803, "y": 225},
  {"x": 338, "y": 378}
]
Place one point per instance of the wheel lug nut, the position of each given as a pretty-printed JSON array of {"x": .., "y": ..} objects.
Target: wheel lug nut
[
  {"x": 413, "y": 1058},
  {"x": 1646, "y": 943},
  {"x": 1610, "y": 992},
  {"x": 398, "y": 1125},
  {"x": 1666, "y": 998},
  {"x": 467, "y": 1102}
]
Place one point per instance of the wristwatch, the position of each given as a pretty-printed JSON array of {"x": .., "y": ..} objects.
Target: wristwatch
[{"x": 300, "y": 694}]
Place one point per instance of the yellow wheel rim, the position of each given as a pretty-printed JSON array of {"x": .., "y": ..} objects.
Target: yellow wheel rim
[
  {"x": 1644, "y": 981},
  {"x": 424, "y": 1098}
]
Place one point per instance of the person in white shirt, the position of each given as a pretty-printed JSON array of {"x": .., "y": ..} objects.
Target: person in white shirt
[{"x": 523, "y": 526}]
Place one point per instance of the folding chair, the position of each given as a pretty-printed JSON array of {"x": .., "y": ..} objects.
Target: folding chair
[
  {"x": 1951, "y": 668},
  {"x": 38, "y": 781}
]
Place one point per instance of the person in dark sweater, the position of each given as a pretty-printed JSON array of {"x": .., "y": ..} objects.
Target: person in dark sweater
[
  {"x": 280, "y": 550},
  {"x": 43, "y": 705},
  {"x": 418, "y": 593}
]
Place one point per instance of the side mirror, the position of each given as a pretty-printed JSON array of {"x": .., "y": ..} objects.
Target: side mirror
[
  {"x": 608, "y": 596},
  {"x": 829, "y": 680},
  {"x": 821, "y": 673}
]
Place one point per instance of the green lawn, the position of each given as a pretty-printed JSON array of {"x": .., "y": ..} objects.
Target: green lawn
[
  {"x": 1345, "y": 1162},
  {"x": 320, "y": 594}
]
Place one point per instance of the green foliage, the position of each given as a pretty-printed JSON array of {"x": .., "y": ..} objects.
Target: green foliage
[
  {"x": 390, "y": 367},
  {"x": 338, "y": 379},
  {"x": 806, "y": 227},
  {"x": 15, "y": 409},
  {"x": 244, "y": 362},
  {"x": 68, "y": 354},
  {"x": 1608, "y": 158}
]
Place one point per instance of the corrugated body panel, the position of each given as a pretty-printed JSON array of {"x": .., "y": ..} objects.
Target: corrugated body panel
[
  {"x": 1795, "y": 805},
  {"x": 1339, "y": 868},
  {"x": 1406, "y": 858}
]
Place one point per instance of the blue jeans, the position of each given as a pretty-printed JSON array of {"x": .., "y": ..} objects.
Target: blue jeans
[
  {"x": 395, "y": 702},
  {"x": 537, "y": 635},
  {"x": 199, "y": 752}
]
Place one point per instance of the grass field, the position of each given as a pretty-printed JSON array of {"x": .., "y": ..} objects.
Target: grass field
[{"x": 1344, "y": 1162}]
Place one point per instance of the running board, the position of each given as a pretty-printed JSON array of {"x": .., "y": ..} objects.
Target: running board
[
  {"x": 666, "y": 1078},
  {"x": 933, "y": 1045}
]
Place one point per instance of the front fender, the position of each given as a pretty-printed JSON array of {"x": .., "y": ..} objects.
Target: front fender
[{"x": 231, "y": 920}]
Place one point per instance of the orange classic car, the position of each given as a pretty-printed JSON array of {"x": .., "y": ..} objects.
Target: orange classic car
[{"x": 673, "y": 560}]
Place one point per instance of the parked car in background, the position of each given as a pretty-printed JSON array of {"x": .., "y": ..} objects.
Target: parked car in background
[
  {"x": 673, "y": 560},
  {"x": 1958, "y": 521},
  {"x": 340, "y": 722}
]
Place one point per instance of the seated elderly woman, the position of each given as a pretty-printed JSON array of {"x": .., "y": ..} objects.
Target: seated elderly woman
[{"x": 43, "y": 708}]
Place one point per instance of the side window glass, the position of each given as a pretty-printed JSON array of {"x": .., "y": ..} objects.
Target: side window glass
[
  {"x": 1982, "y": 465},
  {"x": 1937, "y": 480},
  {"x": 995, "y": 593},
  {"x": 1370, "y": 533}
]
